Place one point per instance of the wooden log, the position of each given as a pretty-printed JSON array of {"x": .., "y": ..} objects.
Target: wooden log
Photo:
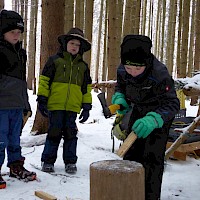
[
  {"x": 25, "y": 118},
  {"x": 44, "y": 195},
  {"x": 117, "y": 180},
  {"x": 126, "y": 144}
]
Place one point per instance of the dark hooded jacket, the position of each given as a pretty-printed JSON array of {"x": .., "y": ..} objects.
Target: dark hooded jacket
[
  {"x": 153, "y": 90},
  {"x": 13, "y": 86}
]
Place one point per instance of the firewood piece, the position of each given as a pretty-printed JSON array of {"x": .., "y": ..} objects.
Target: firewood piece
[
  {"x": 117, "y": 180},
  {"x": 126, "y": 144},
  {"x": 44, "y": 195}
]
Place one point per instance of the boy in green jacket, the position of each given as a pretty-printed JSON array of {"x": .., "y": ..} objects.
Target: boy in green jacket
[{"x": 65, "y": 89}]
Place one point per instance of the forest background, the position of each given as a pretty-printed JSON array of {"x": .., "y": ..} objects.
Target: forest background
[{"x": 173, "y": 26}]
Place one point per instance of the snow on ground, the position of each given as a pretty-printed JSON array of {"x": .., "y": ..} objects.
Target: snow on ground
[{"x": 181, "y": 179}]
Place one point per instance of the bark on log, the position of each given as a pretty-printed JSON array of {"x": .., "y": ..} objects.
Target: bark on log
[{"x": 117, "y": 180}]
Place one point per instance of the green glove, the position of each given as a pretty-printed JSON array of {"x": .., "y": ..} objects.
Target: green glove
[
  {"x": 119, "y": 99},
  {"x": 144, "y": 126}
]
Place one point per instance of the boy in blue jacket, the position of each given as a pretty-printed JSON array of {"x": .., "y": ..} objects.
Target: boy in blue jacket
[
  {"x": 13, "y": 94},
  {"x": 144, "y": 83}
]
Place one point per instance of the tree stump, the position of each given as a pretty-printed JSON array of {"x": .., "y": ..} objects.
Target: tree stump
[{"x": 117, "y": 180}]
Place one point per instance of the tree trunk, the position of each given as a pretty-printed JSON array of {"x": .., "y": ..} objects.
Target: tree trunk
[
  {"x": 1, "y": 4},
  {"x": 184, "y": 45},
  {"x": 69, "y": 14},
  {"x": 178, "y": 57},
  {"x": 197, "y": 37},
  {"x": 113, "y": 46},
  {"x": 191, "y": 45},
  {"x": 32, "y": 45},
  {"x": 171, "y": 35},
  {"x": 89, "y": 4}
]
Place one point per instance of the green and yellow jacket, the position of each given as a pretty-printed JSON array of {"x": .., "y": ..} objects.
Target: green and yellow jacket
[{"x": 66, "y": 82}]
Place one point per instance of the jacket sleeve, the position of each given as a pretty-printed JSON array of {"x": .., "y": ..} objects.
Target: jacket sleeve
[
  {"x": 87, "y": 87},
  {"x": 24, "y": 83},
  {"x": 169, "y": 102},
  {"x": 46, "y": 78}
]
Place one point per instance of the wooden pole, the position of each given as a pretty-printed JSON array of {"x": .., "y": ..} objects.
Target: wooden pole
[{"x": 117, "y": 180}]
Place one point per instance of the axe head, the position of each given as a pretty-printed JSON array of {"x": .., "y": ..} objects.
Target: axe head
[{"x": 102, "y": 99}]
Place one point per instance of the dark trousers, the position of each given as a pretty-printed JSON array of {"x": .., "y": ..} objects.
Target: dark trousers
[
  {"x": 10, "y": 131},
  {"x": 150, "y": 153},
  {"x": 62, "y": 124}
]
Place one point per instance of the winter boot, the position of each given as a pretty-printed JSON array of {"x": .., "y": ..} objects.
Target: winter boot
[
  {"x": 17, "y": 170},
  {"x": 47, "y": 167},
  {"x": 2, "y": 182},
  {"x": 70, "y": 168}
]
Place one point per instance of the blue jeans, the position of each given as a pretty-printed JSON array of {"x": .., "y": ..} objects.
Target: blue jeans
[
  {"x": 10, "y": 130},
  {"x": 61, "y": 124}
]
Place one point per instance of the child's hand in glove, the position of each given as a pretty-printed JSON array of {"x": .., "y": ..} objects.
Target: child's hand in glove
[
  {"x": 144, "y": 126},
  {"x": 119, "y": 99}
]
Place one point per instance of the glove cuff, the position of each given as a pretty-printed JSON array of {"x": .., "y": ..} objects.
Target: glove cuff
[
  {"x": 42, "y": 99},
  {"x": 86, "y": 106},
  {"x": 157, "y": 117}
]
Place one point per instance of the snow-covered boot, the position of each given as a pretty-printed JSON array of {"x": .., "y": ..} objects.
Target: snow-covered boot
[
  {"x": 2, "y": 182},
  {"x": 47, "y": 167},
  {"x": 70, "y": 168},
  {"x": 17, "y": 170}
]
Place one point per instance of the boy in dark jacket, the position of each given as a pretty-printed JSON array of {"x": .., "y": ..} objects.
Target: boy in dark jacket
[
  {"x": 144, "y": 83},
  {"x": 13, "y": 94},
  {"x": 65, "y": 89}
]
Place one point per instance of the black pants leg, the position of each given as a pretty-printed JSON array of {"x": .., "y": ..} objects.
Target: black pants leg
[{"x": 150, "y": 153}]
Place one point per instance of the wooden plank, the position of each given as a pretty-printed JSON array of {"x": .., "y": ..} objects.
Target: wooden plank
[
  {"x": 186, "y": 147},
  {"x": 127, "y": 144},
  {"x": 180, "y": 155},
  {"x": 44, "y": 195}
]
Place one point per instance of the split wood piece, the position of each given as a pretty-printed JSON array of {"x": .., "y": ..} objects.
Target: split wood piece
[
  {"x": 44, "y": 195},
  {"x": 126, "y": 144},
  {"x": 184, "y": 149},
  {"x": 117, "y": 180}
]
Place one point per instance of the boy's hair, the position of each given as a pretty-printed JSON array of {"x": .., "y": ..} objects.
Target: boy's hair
[{"x": 10, "y": 20}]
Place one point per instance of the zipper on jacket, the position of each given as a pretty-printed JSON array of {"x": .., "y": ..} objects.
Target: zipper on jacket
[
  {"x": 70, "y": 79},
  {"x": 77, "y": 76}
]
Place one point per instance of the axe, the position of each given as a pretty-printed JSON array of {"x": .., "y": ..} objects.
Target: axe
[{"x": 108, "y": 111}]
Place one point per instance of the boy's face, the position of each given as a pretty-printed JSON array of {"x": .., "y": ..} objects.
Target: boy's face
[
  {"x": 73, "y": 46},
  {"x": 134, "y": 70},
  {"x": 12, "y": 36}
]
